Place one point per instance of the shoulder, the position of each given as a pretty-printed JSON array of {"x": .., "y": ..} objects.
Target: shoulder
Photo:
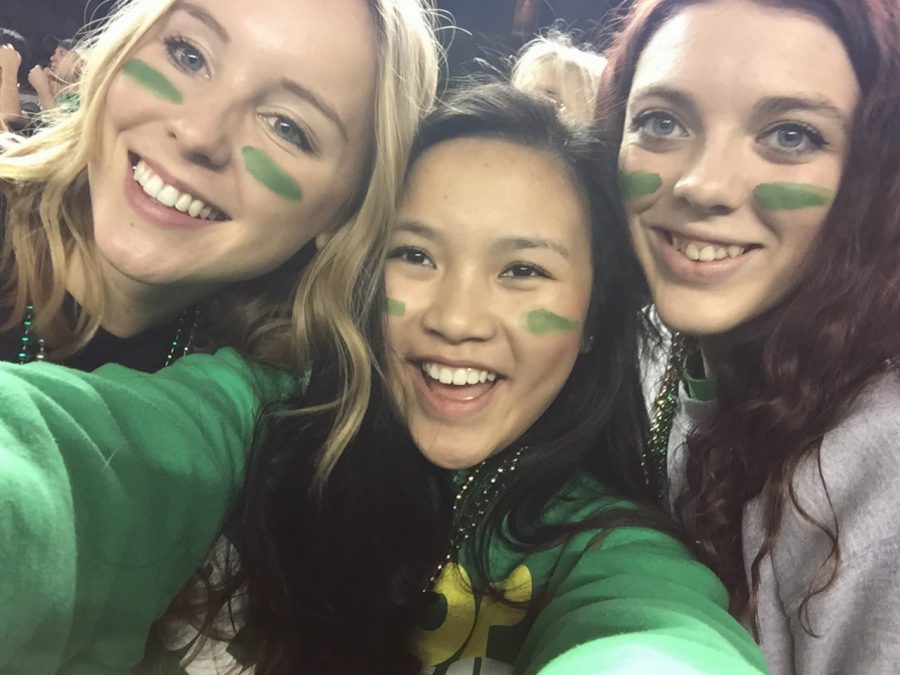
[{"x": 848, "y": 488}]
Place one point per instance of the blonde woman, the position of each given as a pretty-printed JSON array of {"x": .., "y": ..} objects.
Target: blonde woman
[
  {"x": 212, "y": 146},
  {"x": 552, "y": 66},
  {"x": 233, "y": 105}
]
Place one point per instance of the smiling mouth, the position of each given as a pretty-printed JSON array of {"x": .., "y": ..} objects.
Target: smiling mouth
[
  {"x": 698, "y": 250},
  {"x": 457, "y": 385},
  {"x": 170, "y": 196}
]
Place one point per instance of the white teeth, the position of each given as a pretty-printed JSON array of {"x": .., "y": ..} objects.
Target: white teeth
[
  {"x": 170, "y": 196},
  {"x": 457, "y": 376},
  {"x": 154, "y": 186},
  {"x": 184, "y": 202},
  {"x": 703, "y": 252}
]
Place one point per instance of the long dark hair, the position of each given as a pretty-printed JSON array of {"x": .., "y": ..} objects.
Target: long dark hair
[
  {"x": 779, "y": 394},
  {"x": 333, "y": 577}
]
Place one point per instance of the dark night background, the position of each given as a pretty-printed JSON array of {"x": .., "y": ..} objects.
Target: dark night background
[{"x": 489, "y": 21}]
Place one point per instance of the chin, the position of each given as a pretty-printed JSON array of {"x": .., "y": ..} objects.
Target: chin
[{"x": 454, "y": 459}]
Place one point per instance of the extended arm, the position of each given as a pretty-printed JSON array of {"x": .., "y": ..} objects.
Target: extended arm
[{"x": 112, "y": 487}]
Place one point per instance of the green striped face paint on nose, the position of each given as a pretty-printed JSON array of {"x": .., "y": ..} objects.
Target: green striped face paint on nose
[
  {"x": 791, "y": 196},
  {"x": 395, "y": 307},
  {"x": 150, "y": 78},
  {"x": 264, "y": 169},
  {"x": 542, "y": 322},
  {"x": 639, "y": 183}
]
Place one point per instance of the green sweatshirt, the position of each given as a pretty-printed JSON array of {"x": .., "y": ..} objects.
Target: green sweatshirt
[
  {"x": 112, "y": 487},
  {"x": 631, "y": 601}
]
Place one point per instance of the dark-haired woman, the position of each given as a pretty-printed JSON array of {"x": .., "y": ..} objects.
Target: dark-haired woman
[
  {"x": 494, "y": 536},
  {"x": 760, "y": 155}
]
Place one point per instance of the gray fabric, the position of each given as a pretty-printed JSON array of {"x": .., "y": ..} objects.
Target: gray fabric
[{"x": 857, "y": 620}]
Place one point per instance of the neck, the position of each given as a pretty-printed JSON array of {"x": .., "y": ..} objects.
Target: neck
[{"x": 131, "y": 306}]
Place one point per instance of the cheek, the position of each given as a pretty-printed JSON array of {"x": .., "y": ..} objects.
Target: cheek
[{"x": 643, "y": 177}]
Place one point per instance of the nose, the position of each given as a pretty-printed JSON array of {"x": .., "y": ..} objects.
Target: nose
[
  {"x": 202, "y": 130},
  {"x": 460, "y": 310},
  {"x": 712, "y": 182}
]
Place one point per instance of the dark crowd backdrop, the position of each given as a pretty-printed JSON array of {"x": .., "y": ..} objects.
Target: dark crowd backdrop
[{"x": 489, "y": 30}]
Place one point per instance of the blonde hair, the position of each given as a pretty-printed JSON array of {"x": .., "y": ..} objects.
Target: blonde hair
[
  {"x": 48, "y": 214},
  {"x": 556, "y": 54}
]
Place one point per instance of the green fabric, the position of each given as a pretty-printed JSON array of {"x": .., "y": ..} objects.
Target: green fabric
[
  {"x": 698, "y": 388},
  {"x": 113, "y": 485},
  {"x": 631, "y": 600}
]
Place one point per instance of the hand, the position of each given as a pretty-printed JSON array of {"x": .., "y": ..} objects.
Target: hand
[
  {"x": 10, "y": 60},
  {"x": 39, "y": 79}
]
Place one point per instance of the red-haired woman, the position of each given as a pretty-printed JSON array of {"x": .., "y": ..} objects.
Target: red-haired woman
[{"x": 760, "y": 160}]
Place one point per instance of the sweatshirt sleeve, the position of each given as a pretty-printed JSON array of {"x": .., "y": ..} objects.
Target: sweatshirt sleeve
[
  {"x": 635, "y": 602},
  {"x": 113, "y": 485},
  {"x": 852, "y": 488}
]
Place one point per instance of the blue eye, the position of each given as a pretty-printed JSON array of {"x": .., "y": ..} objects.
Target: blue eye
[
  {"x": 657, "y": 125},
  {"x": 793, "y": 139},
  {"x": 290, "y": 131},
  {"x": 185, "y": 55}
]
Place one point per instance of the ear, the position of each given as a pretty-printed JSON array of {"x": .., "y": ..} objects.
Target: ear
[{"x": 323, "y": 238}]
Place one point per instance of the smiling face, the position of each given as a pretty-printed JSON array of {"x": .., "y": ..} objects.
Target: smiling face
[
  {"x": 488, "y": 279},
  {"x": 734, "y": 142},
  {"x": 231, "y": 137}
]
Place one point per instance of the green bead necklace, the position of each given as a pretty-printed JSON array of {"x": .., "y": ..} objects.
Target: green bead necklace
[{"x": 32, "y": 347}]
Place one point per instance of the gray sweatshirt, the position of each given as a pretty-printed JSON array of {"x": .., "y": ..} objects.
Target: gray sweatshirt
[{"x": 857, "y": 620}]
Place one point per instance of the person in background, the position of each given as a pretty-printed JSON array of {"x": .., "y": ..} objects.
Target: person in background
[
  {"x": 54, "y": 84},
  {"x": 760, "y": 159},
  {"x": 15, "y": 57},
  {"x": 552, "y": 66}
]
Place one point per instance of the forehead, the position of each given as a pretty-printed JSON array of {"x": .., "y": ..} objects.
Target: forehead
[
  {"x": 485, "y": 188},
  {"x": 739, "y": 49},
  {"x": 326, "y": 46}
]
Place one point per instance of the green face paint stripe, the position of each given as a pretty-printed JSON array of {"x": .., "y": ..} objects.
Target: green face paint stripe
[
  {"x": 395, "y": 307},
  {"x": 540, "y": 322},
  {"x": 264, "y": 169},
  {"x": 639, "y": 183},
  {"x": 148, "y": 76},
  {"x": 789, "y": 196}
]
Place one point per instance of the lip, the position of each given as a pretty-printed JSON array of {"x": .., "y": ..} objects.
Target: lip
[
  {"x": 450, "y": 363},
  {"x": 711, "y": 272},
  {"x": 155, "y": 212},
  {"x": 443, "y": 407}
]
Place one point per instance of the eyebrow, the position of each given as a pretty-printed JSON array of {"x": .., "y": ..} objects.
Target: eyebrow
[
  {"x": 417, "y": 228},
  {"x": 205, "y": 17},
  {"x": 307, "y": 95},
  {"x": 526, "y": 243},
  {"x": 503, "y": 245},
  {"x": 779, "y": 105},
  {"x": 674, "y": 96}
]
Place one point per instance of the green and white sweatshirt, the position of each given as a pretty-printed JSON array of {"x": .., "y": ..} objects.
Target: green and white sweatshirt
[{"x": 113, "y": 485}]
